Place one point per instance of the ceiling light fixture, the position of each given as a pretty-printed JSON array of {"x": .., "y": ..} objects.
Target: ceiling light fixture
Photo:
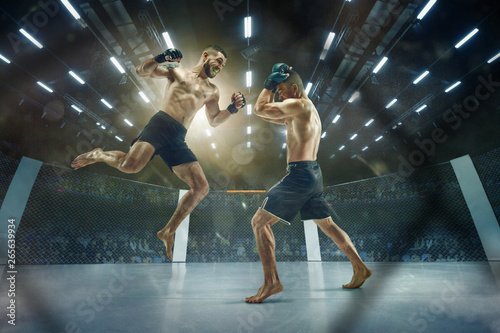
[
  {"x": 469, "y": 36},
  {"x": 308, "y": 88},
  {"x": 453, "y": 86},
  {"x": 421, "y": 108},
  {"x": 167, "y": 39},
  {"x": 144, "y": 97},
  {"x": 380, "y": 64},
  {"x": 45, "y": 87},
  {"x": 76, "y": 77},
  {"x": 327, "y": 45},
  {"x": 4, "y": 59},
  {"x": 33, "y": 40},
  {"x": 106, "y": 103},
  {"x": 489, "y": 61},
  {"x": 77, "y": 108},
  {"x": 71, "y": 9},
  {"x": 426, "y": 9},
  {"x": 391, "y": 103},
  {"x": 354, "y": 96},
  {"x": 248, "y": 27},
  {"x": 421, "y": 77},
  {"x": 117, "y": 65}
]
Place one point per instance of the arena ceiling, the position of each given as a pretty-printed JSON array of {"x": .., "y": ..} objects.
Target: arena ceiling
[{"x": 43, "y": 125}]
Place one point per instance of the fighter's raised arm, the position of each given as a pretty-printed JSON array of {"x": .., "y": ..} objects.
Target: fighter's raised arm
[
  {"x": 269, "y": 110},
  {"x": 276, "y": 110},
  {"x": 215, "y": 115},
  {"x": 152, "y": 67},
  {"x": 275, "y": 121}
]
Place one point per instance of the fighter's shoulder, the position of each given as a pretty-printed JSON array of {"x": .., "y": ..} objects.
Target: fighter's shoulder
[
  {"x": 212, "y": 85},
  {"x": 299, "y": 103},
  {"x": 215, "y": 89}
]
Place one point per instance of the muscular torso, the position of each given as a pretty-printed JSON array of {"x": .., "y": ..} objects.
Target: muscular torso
[
  {"x": 185, "y": 95},
  {"x": 303, "y": 134}
]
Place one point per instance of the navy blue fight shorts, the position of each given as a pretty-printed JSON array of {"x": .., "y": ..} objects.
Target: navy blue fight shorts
[
  {"x": 167, "y": 135},
  {"x": 301, "y": 190}
]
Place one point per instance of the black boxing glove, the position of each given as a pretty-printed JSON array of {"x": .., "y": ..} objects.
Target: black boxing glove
[
  {"x": 232, "y": 108},
  {"x": 277, "y": 76},
  {"x": 172, "y": 53}
]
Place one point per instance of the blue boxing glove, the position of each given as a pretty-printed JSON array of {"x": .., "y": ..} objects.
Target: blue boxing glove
[
  {"x": 172, "y": 53},
  {"x": 277, "y": 76}
]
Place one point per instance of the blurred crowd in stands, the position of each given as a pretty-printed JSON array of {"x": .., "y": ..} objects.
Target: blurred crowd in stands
[{"x": 55, "y": 242}]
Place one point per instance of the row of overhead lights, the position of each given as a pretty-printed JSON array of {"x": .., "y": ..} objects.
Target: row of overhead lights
[
  {"x": 379, "y": 66},
  {"x": 416, "y": 81},
  {"x": 113, "y": 60}
]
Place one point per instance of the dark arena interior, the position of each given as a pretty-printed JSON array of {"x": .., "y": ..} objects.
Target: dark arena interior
[{"x": 407, "y": 93}]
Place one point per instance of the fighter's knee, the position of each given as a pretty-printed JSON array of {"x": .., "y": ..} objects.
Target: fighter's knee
[
  {"x": 201, "y": 189},
  {"x": 257, "y": 222}
]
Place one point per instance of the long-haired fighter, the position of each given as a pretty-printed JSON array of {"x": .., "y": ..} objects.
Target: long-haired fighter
[
  {"x": 302, "y": 187},
  {"x": 187, "y": 91}
]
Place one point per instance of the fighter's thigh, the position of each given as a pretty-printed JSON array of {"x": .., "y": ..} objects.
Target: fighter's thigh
[
  {"x": 192, "y": 174},
  {"x": 324, "y": 223},
  {"x": 263, "y": 218},
  {"x": 140, "y": 153}
]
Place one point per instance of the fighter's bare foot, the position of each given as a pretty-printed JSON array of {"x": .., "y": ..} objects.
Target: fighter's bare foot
[
  {"x": 168, "y": 239},
  {"x": 264, "y": 292},
  {"x": 86, "y": 159},
  {"x": 358, "y": 279}
]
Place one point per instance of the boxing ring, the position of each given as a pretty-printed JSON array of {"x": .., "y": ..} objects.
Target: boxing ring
[{"x": 85, "y": 257}]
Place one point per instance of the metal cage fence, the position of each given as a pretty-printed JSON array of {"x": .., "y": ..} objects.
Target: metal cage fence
[
  {"x": 82, "y": 218},
  {"x": 422, "y": 217},
  {"x": 8, "y": 167}
]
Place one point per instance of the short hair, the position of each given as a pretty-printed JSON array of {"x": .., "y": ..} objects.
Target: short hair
[
  {"x": 294, "y": 78},
  {"x": 212, "y": 48}
]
